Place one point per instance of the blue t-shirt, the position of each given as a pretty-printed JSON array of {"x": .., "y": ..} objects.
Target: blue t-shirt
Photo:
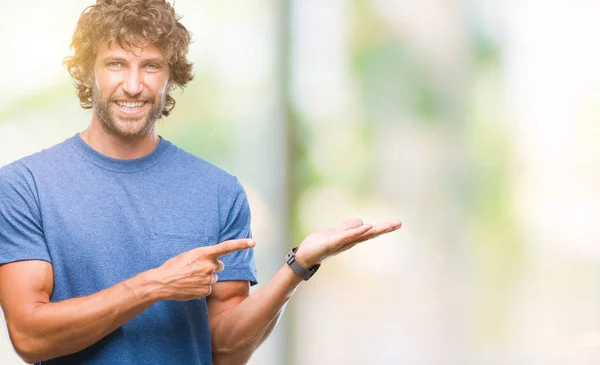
[{"x": 100, "y": 221}]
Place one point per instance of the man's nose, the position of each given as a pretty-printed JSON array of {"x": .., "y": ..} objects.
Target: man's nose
[{"x": 133, "y": 83}]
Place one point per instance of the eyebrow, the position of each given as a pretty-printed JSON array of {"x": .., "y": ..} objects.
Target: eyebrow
[
  {"x": 122, "y": 59},
  {"x": 154, "y": 60}
]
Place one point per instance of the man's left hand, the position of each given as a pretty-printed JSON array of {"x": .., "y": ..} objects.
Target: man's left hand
[{"x": 329, "y": 242}]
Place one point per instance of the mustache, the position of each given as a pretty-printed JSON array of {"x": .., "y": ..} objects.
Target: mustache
[{"x": 125, "y": 96}]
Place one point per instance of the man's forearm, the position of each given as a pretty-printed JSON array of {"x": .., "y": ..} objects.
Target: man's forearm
[
  {"x": 57, "y": 329},
  {"x": 241, "y": 330}
]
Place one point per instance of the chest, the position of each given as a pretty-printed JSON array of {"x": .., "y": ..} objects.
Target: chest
[{"x": 104, "y": 231}]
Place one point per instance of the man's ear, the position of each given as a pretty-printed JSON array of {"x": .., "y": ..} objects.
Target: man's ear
[
  {"x": 90, "y": 78},
  {"x": 88, "y": 81}
]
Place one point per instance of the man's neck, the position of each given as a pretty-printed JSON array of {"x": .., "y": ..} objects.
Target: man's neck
[{"x": 118, "y": 147}]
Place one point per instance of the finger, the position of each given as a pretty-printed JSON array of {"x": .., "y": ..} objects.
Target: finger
[
  {"x": 386, "y": 227},
  {"x": 374, "y": 232},
  {"x": 227, "y": 247},
  {"x": 351, "y": 223},
  {"x": 395, "y": 225},
  {"x": 346, "y": 239},
  {"x": 370, "y": 234},
  {"x": 220, "y": 266},
  {"x": 215, "y": 278},
  {"x": 380, "y": 229},
  {"x": 352, "y": 233}
]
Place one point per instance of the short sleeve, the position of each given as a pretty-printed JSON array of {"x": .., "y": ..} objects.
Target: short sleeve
[
  {"x": 234, "y": 217},
  {"x": 21, "y": 232}
]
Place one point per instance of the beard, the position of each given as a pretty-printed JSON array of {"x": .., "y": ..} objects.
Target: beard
[{"x": 127, "y": 126}]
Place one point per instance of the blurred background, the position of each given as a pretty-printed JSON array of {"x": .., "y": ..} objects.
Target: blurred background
[{"x": 476, "y": 122}]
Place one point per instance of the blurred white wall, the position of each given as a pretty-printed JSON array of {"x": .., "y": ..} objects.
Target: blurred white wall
[{"x": 553, "y": 91}]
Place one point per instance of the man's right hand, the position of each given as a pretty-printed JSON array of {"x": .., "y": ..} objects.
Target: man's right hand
[{"x": 191, "y": 274}]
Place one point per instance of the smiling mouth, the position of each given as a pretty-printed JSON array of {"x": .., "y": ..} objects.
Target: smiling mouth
[{"x": 130, "y": 106}]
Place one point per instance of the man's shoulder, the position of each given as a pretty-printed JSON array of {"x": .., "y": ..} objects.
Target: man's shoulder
[
  {"x": 195, "y": 165},
  {"x": 28, "y": 165},
  {"x": 18, "y": 179},
  {"x": 42, "y": 157}
]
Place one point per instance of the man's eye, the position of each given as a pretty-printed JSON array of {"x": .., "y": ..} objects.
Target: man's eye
[
  {"x": 152, "y": 67},
  {"x": 114, "y": 64}
]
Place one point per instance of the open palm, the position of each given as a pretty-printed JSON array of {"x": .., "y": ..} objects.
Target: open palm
[{"x": 318, "y": 246}]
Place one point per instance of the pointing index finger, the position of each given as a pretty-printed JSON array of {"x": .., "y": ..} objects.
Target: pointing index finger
[{"x": 228, "y": 247}]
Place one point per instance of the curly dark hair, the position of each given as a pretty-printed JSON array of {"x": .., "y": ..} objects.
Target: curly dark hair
[{"x": 130, "y": 23}]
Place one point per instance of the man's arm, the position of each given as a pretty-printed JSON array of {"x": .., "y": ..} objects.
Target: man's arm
[
  {"x": 240, "y": 322},
  {"x": 42, "y": 330}
]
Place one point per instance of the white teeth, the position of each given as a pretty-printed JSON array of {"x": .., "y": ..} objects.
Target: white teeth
[{"x": 130, "y": 105}]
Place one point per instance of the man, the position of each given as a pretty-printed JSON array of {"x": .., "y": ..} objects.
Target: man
[{"x": 116, "y": 247}]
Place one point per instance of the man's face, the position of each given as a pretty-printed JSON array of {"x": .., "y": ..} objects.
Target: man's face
[{"x": 129, "y": 89}]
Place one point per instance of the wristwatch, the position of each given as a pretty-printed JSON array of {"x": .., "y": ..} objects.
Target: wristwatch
[{"x": 300, "y": 270}]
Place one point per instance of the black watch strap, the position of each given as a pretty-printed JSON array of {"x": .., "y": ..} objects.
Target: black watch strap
[{"x": 300, "y": 270}]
